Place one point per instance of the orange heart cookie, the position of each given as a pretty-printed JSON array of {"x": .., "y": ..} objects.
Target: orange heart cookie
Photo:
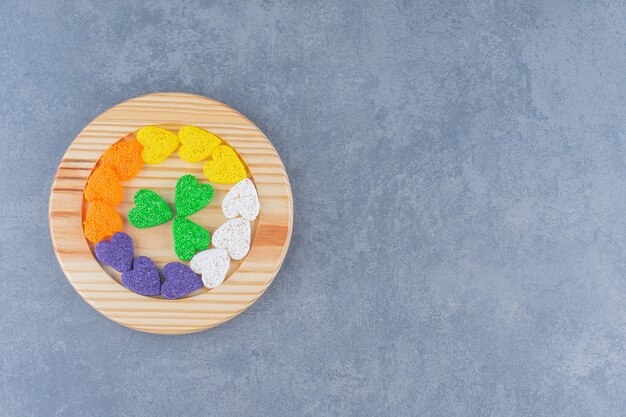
[
  {"x": 158, "y": 144},
  {"x": 101, "y": 222},
  {"x": 196, "y": 144},
  {"x": 125, "y": 158},
  {"x": 103, "y": 185},
  {"x": 226, "y": 167}
]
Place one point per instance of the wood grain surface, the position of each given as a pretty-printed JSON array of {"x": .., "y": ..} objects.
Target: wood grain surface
[{"x": 99, "y": 285}]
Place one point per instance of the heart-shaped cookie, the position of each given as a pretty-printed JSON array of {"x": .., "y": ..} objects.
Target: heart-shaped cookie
[
  {"x": 191, "y": 196},
  {"x": 242, "y": 200},
  {"x": 234, "y": 236},
  {"x": 144, "y": 278},
  {"x": 118, "y": 252},
  {"x": 103, "y": 185},
  {"x": 150, "y": 210},
  {"x": 158, "y": 144},
  {"x": 212, "y": 264},
  {"x": 196, "y": 144},
  {"x": 125, "y": 159},
  {"x": 189, "y": 238},
  {"x": 180, "y": 280},
  {"x": 226, "y": 167},
  {"x": 101, "y": 222}
]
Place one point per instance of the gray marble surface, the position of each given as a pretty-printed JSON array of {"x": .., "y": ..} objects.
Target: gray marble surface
[{"x": 459, "y": 177}]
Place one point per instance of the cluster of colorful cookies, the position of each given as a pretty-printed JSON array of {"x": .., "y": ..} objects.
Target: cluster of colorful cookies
[
  {"x": 141, "y": 274},
  {"x": 232, "y": 239},
  {"x": 124, "y": 160}
]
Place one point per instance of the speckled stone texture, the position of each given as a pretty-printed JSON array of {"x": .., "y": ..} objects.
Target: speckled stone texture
[{"x": 459, "y": 178}]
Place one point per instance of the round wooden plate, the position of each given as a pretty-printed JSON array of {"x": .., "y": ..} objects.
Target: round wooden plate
[{"x": 100, "y": 286}]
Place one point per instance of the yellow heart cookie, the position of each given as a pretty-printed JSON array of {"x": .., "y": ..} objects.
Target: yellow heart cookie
[
  {"x": 158, "y": 144},
  {"x": 196, "y": 144},
  {"x": 226, "y": 167}
]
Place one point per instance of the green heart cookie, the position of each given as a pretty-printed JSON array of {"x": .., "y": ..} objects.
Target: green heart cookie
[
  {"x": 189, "y": 238},
  {"x": 150, "y": 210},
  {"x": 191, "y": 196}
]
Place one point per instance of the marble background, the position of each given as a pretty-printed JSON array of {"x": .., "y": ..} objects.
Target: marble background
[{"x": 459, "y": 176}]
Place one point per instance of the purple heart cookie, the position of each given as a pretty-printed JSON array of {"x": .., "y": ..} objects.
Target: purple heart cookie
[
  {"x": 118, "y": 252},
  {"x": 144, "y": 278},
  {"x": 180, "y": 280}
]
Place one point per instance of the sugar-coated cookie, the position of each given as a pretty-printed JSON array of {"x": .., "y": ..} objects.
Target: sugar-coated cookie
[
  {"x": 124, "y": 158},
  {"x": 158, "y": 144},
  {"x": 104, "y": 185},
  {"x": 118, "y": 252},
  {"x": 150, "y": 210},
  {"x": 189, "y": 238},
  {"x": 234, "y": 236},
  {"x": 225, "y": 166},
  {"x": 144, "y": 278},
  {"x": 101, "y": 222},
  {"x": 191, "y": 196},
  {"x": 196, "y": 144},
  {"x": 180, "y": 280},
  {"x": 242, "y": 200},
  {"x": 212, "y": 264}
]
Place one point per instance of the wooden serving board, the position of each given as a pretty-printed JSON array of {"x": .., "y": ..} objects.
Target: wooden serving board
[{"x": 247, "y": 279}]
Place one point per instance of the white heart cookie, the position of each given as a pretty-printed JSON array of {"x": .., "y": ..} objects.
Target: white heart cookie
[
  {"x": 212, "y": 264},
  {"x": 234, "y": 235},
  {"x": 242, "y": 200}
]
